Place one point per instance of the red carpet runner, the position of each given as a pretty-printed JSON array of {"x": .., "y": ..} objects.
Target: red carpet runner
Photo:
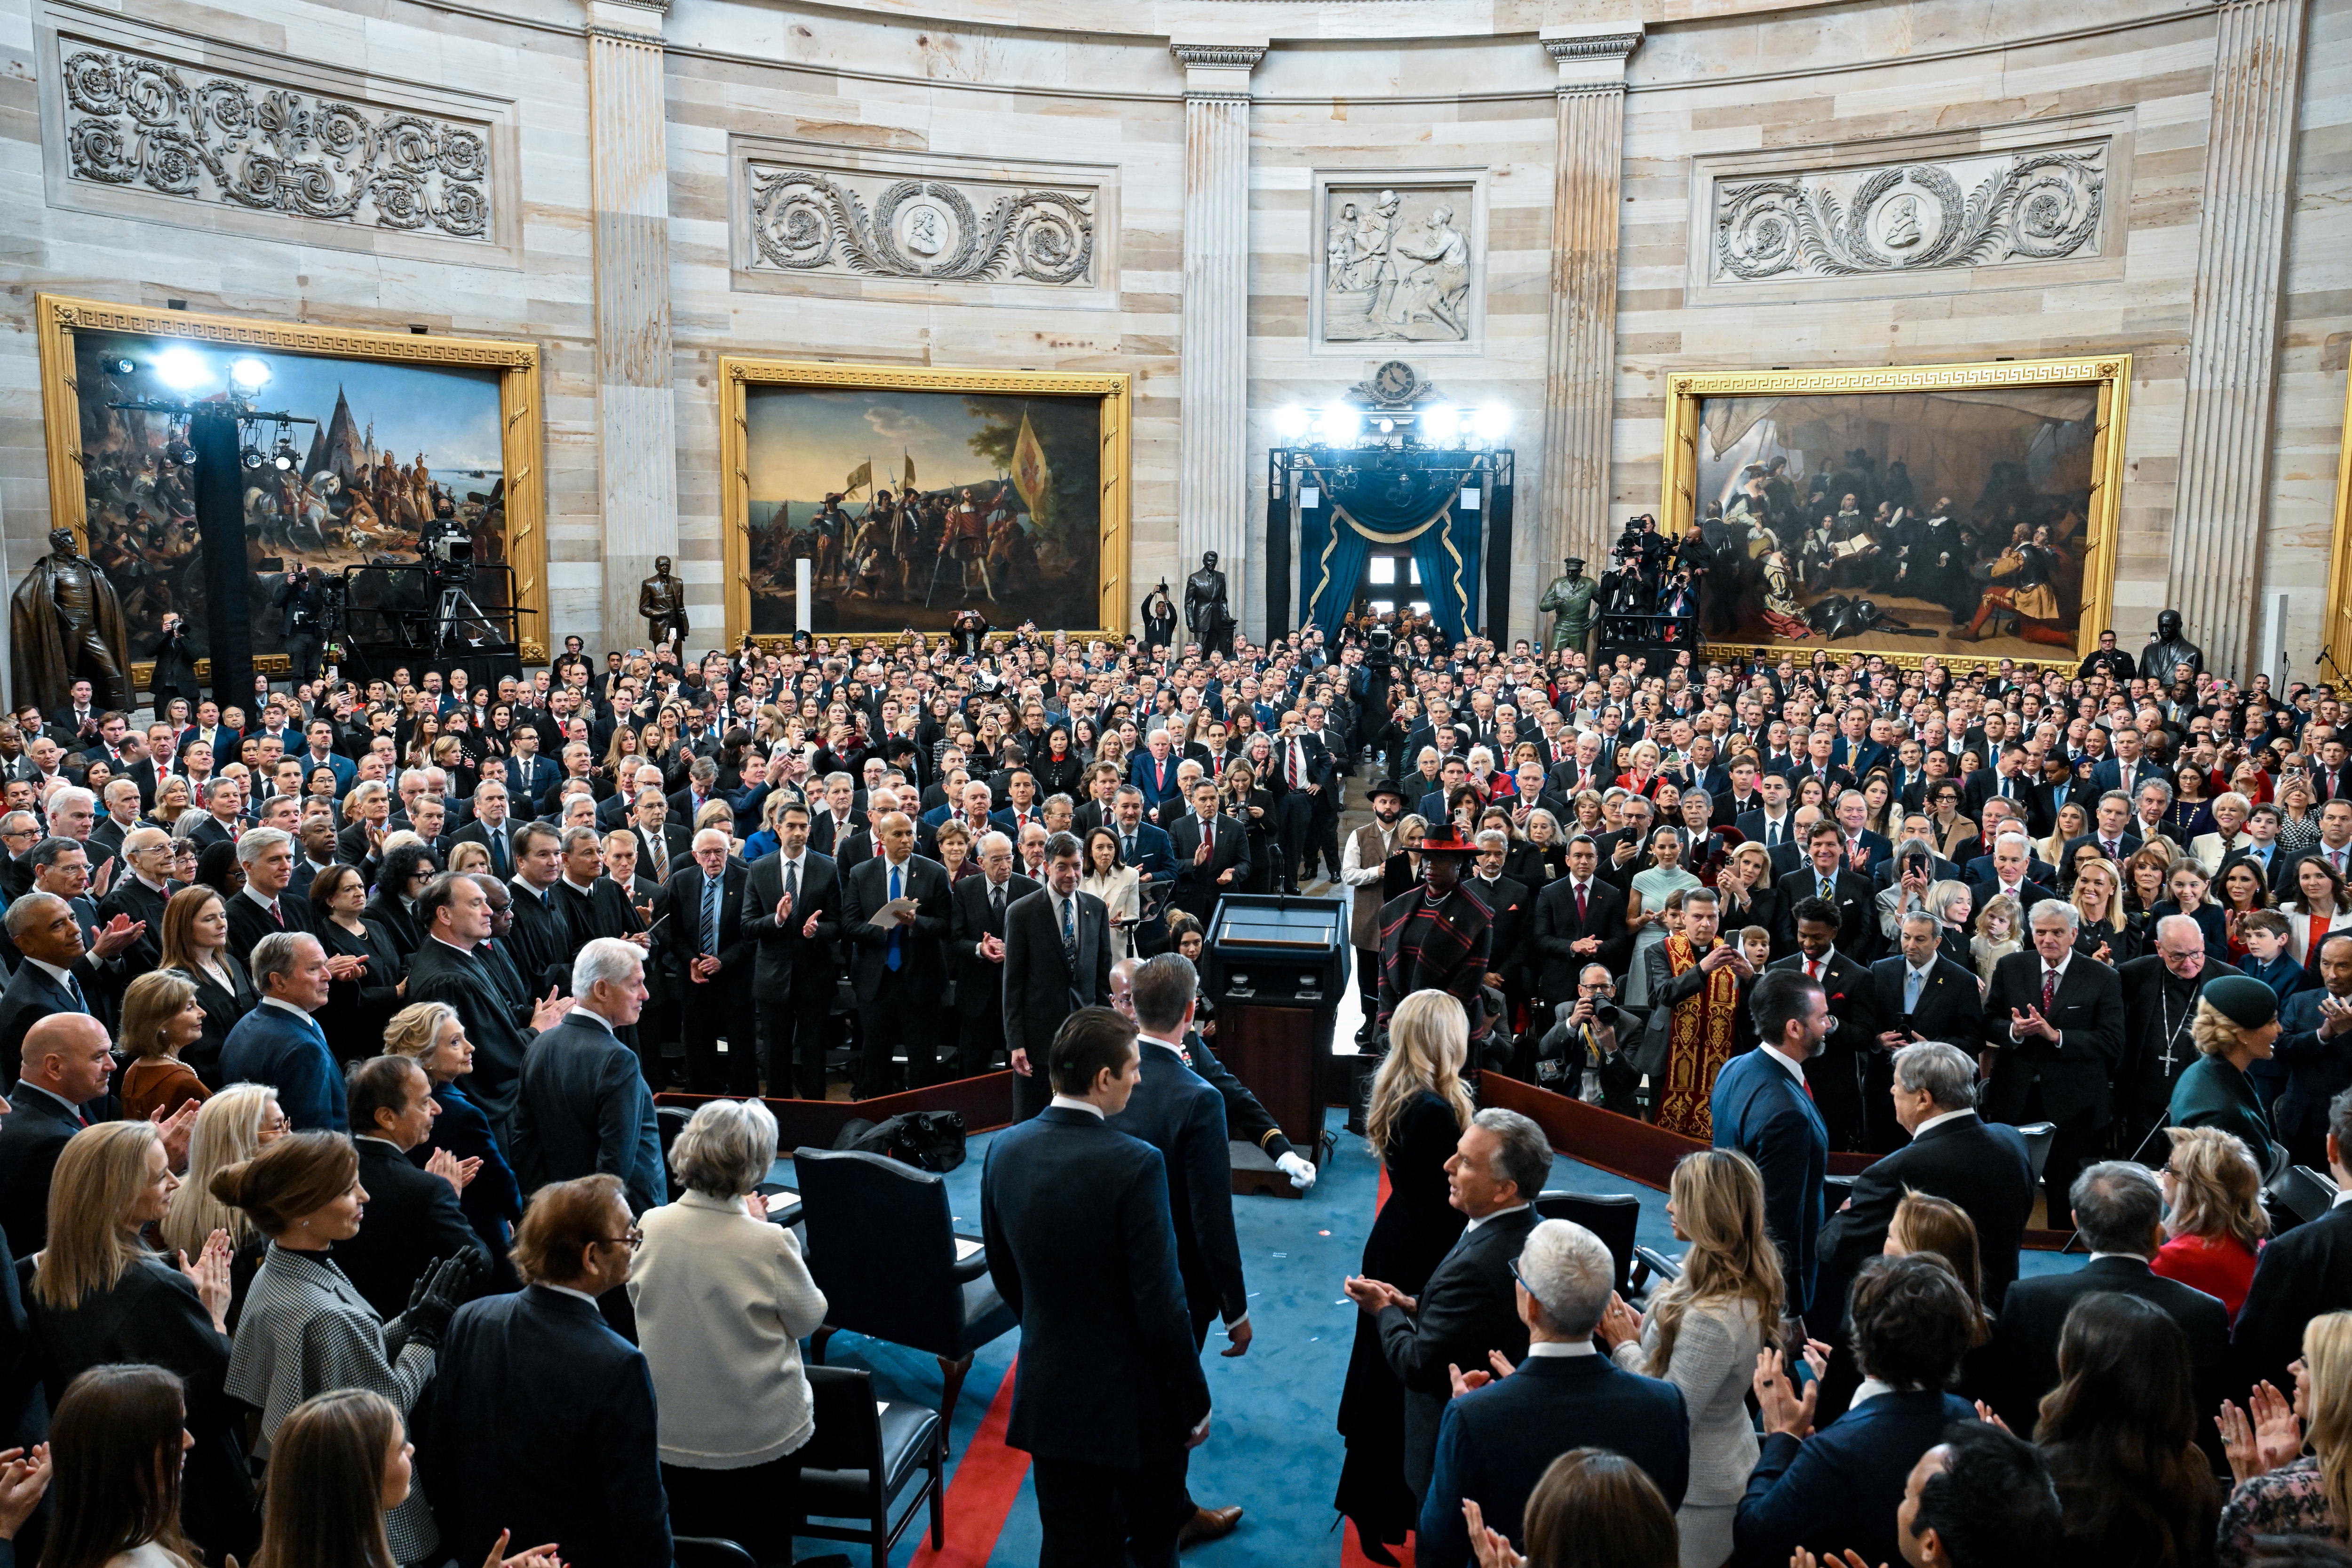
[{"x": 981, "y": 1493}]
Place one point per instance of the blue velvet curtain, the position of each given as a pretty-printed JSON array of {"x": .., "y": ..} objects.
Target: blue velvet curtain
[{"x": 1422, "y": 510}]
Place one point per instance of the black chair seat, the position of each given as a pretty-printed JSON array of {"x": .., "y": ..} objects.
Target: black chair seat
[
  {"x": 985, "y": 1315},
  {"x": 908, "y": 1432},
  {"x": 1612, "y": 1217}
]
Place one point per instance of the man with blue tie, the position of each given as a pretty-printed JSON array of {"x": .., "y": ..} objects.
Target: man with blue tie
[
  {"x": 1762, "y": 1108},
  {"x": 280, "y": 1044},
  {"x": 1142, "y": 845},
  {"x": 60, "y": 973},
  {"x": 714, "y": 955},
  {"x": 895, "y": 911},
  {"x": 490, "y": 827},
  {"x": 528, "y": 774}
]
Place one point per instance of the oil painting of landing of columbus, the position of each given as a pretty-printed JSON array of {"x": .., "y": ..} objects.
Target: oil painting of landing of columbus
[
  {"x": 395, "y": 447},
  {"x": 913, "y": 507},
  {"x": 1946, "y": 522}
]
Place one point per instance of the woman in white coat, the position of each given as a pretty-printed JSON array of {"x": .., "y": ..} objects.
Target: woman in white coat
[
  {"x": 723, "y": 1301},
  {"x": 1119, "y": 887}
]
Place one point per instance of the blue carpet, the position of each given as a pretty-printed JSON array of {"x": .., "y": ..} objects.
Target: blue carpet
[{"x": 1272, "y": 1447}]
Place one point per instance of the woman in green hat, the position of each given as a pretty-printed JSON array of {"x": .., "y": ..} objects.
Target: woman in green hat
[{"x": 2236, "y": 1020}]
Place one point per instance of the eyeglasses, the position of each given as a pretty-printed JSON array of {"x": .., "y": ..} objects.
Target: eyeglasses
[
  {"x": 634, "y": 1239},
  {"x": 1514, "y": 1266}
]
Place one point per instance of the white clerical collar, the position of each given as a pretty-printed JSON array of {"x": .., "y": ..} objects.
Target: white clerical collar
[
  {"x": 1497, "y": 1214},
  {"x": 1796, "y": 1068},
  {"x": 1939, "y": 1121},
  {"x": 1072, "y": 1102},
  {"x": 1563, "y": 1348}
]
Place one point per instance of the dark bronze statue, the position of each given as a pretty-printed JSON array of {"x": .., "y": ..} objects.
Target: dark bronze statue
[
  {"x": 661, "y": 600},
  {"x": 1208, "y": 612},
  {"x": 2168, "y": 652},
  {"x": 65, "y": 624}
]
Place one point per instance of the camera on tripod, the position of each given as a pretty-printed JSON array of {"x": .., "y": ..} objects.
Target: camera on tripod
[{"x": 447, "y": 549}]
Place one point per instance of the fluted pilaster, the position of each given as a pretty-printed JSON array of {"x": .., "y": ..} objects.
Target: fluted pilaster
[
  {"x": 1213, "y": 455},
  {"x": 636, "y": 418},
  {"x": 2233, "y": 328},
  {"x": 1580, "y": 383}
]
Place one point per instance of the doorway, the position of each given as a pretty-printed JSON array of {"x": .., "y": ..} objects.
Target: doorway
[{"x": 1391, "y": 576}]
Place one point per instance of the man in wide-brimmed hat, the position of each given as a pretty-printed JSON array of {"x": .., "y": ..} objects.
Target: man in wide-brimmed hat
[
  {"x": 1436, "y": 938},
  {"x": 1363, "y": 862}
]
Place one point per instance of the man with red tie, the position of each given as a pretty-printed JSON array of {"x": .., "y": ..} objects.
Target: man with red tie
[
  {"x": 2053, "y": 1020},
  {"x": 1021, "y": 794},
  {"x": 1153, "y": 771}
]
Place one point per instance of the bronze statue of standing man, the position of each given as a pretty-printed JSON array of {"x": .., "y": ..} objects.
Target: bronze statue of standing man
[
  {"x": 661, "y": 600},
  {"x": 1208, "y": 611},
  {"x": 1570, "y": 597},
  {"x": 66, "y": 624}
]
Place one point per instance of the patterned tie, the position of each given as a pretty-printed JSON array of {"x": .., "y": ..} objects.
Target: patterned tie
[
  {"x": 896, "y": 955},
  {"x": 2049, "y": 990},
  {"x": 1828, "y": 890},
  {"x": 793, "y": 880},
  {"x": 1126, "y": 849},
  {"x": 711, "y": 888},
  {"x": 1070, "y": 933},
  {"x": 277, "y": 915},
  {"x": 1298, "y": 772}
]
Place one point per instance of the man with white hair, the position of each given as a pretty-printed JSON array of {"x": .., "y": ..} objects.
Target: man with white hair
[
  {"x": 584, "y": 1107},
  {"x": 2055, "y": 1023},
  {"x": 1501, "y": 1435},
  {"x": 712, "y": 953},
  {"x": 2160, "y": 990}
]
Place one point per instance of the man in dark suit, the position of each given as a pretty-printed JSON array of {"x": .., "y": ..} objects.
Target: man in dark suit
[
  {"x": 1141, "y": 844},
  {"x": 1469, "y": 1308},
  {"x": 2055, "y": 1021},
  {"x": 142, "y": 889},
  {"x": 976, "y": 950},
  {"x": 2008, "y": 871},
  {"x": 1301, "y": 775},
  {"x": 543, "y": 1359},
  {"x": 60, "y": 971},
  {"x": 713, "y": 957},
  {"x": 1761, "y": 1109},
  {"x": 1917, "y": 994},
  {"x": 1912, "y": 1323},
  {"x": 530, "y": 776},
  {"x": 794, "y": 899},
  {"x": 664, "y": 848},
  {"x": 584, "y": 1107},
  {"x": 2300, "y": 1275},
  {"x": 1580, "y": 920},
  {"x": 1497, "y": 1439},
  {"x": 1211, "y": 853},
  {"x": 1177, "y": 1113},
  {"x": 280, "y": 1044},
  {"x": 895, "y": 911},
  {"x": 2120, "y": 1215},
  {"x": 490, "y": 827},
  {"x": 1953, "y": 1154},
  {"x": 1110, "y": 1396},
  {"x": 2010, "y": 778},
  {"x": 1042, "y": 981},
  {"x": 263, "y": 904},
  {"x": 1848, "y": 892},
  {"x": 63, "y": 1090},
  {"x": 1773, "y": 824},
  {"x": 457, "y": 963},
  {"x": 1510, "y": 909},
  {"x": 413, "y": 1217},
  {"x": 1833, "y": 1072}
]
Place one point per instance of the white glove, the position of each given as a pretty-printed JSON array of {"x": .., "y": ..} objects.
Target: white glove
[{"x": 1301, "y": 1174}]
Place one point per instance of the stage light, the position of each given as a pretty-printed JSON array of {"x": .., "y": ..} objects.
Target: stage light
[
  {"x": 250, "y": 375},
  {"x": 285, "y": 456},
  {"x": 118, "y": 366},
  {"x": 1442, "y": 424},
  {"x": 1339, "y": 426},
  {"x": 182, "y": 369},
  {"x": 1388, "y": 427},
  {"x": 1493, "y": 421},
  {"x": 180, "y": 455},
  {"x": 252, "y": 457},
  {"x": 1290, "y": 423}
]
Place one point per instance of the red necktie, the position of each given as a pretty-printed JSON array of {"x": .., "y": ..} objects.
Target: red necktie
[
  {"x": 1579, "y": 903},
  {"x": 276, "y": 915},
  {"x": 2049, "y": 990},
  {"x": 1812, "y": 969}
]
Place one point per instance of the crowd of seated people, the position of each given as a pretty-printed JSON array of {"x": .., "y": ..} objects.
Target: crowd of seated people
[{"x": 330, "y": 1039}]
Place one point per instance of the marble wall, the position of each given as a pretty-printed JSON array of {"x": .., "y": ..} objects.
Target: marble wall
[{"x": 1718, "y": 96}]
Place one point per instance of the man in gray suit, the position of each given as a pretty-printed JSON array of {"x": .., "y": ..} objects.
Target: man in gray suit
[
  {"x": 584, "y": 1108},
  {"x": 1056, "y": 960}
]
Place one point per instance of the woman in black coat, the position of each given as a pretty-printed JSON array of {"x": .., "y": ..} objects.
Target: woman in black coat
[
  {"x": 358, "y": 1008},
  {"x": 196, "y": 946},
  {"x": 1061, "y": 770},
  {"x": 98, "y": 1295},
  {"x": 1253, "y": 809},
  {"x": 1417, "y": 1112},
  {"x": 406, "y": 873}
]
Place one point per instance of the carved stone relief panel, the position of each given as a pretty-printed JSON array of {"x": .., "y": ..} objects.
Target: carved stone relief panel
[
  {"x": 161, "y": 125},
  {"x": 1400, "y": 259},
  {"x": 804, "y": 211},
  {"x": 2012, "y": 207}
]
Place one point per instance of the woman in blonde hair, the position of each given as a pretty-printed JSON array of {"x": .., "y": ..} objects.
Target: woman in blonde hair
[
  {"x": 1923, "y": 1222},
  {"x": 2213, "y": 1218},
  {"x": 433, "y": 1036},
  {"x": 100, "y": 1295},
  {"x": 2280, "y": 1490},
  {"x": 1703, "y": 1332},
  {"x": 2233, "y": 1027},
  {"x": 1417, "y": 1110},
  {"x": 161, "y": 1018}
]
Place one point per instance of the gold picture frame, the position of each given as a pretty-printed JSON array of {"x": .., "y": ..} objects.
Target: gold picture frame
[
  {"x": 739, "y": 374},
  {"x": 2109, "y": 373},
  {"x": 59, "y": 318},
  {"x": 2336, "y": 638}
]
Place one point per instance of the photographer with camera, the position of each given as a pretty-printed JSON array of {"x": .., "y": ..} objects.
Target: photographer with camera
[
  {"x": 1582, "y": 1055},
  {"x": 176, "y": 666},
  {"x": 302, "y": 602}
]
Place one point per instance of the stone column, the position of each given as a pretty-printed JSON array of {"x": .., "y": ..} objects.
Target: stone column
[
  {"x": 636, "y": 417},
  {"x": 1212, "y": 485},
  {"x": 1580, "y": 383},
  {"x": 2233, "y": 325}
]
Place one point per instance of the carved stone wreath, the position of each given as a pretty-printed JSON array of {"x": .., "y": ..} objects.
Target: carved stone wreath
[
  {"x": 2041, "y": 208},
  {"x": 803, "y": 220},
  {"x": 133, "y": 120}
]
